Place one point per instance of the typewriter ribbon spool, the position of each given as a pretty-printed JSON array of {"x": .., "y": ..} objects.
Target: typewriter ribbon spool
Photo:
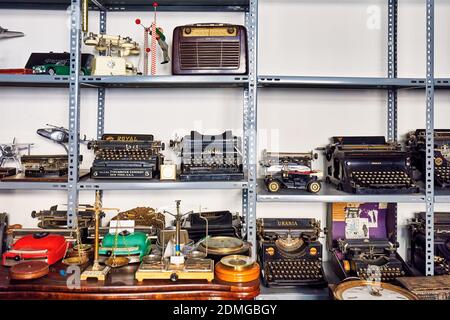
[{"x": 237, "y": 268}]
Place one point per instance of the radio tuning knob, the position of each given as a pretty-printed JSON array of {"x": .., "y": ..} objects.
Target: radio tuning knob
[{"x": 187, "y": 30}]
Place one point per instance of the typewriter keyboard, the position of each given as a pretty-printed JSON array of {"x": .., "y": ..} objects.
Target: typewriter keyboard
[
  {"x": 442, "y": 173},
  {"x": 381, "y": 179},
  {"x": 383, "y": 273},
  {"x": 123, "y": 155},
  {"x": 294, "y": 272}
]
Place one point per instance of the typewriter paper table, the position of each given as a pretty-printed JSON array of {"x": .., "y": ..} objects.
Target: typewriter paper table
[{"x": 120, "y": 284}]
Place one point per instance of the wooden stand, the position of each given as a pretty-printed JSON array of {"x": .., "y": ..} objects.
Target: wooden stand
[
  {"x": 91, "y": 273},
  {"x": 176, "y": 274}
]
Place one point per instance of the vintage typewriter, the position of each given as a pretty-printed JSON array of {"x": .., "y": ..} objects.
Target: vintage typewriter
[
  {"x": 362, "y": 240},
  {"x": 416, "y": 144},
  {"x": 38, "y": 166},
  {"x": 214, "y": 223},
  {"x": 441, "y": 242},
  {"x": 290, "y": 253},
  {"x": 126, "y": 156},
  {"x": 210, "y": 157},
  {"x": 369, "y": 165},
  {"x": 56, "y": 217},
  {"x": 209, "y": 49}
]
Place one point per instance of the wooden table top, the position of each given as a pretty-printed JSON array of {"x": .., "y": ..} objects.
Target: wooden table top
[{"x": 120, "y": 284}]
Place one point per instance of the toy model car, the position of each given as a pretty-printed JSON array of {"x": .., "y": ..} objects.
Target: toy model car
[
  {"x": 57, "y": 69},
  {"x": 290, "y": 171}
]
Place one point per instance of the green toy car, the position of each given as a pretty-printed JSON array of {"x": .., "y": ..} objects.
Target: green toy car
[{"x": 59, "y": 68}]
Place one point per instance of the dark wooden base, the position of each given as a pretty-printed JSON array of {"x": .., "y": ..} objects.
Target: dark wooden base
[
  {"x": 120, "y": 284},
  {"x": 21, "y": 178}
]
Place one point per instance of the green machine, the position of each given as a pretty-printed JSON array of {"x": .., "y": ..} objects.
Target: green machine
[{"x": 133, "y": 246}]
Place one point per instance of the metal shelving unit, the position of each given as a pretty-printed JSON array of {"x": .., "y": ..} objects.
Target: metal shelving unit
[
  {"x": 250, "y": 84},
  {"x": 391, "y": 84}
]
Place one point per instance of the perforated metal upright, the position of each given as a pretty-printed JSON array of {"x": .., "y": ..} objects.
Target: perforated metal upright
[
  {"x": 392, "y": 69},
  {"x": 429, "y": 177},
  {"x": 74, "y": 112},
  {"x": 250, "y": 145}
]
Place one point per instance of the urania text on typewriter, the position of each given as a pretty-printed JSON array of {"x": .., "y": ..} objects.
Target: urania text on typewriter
[
  {"x": 289, "y": 252},
  {"x": 210, "y": 157},
  {"x": 126, "y": 156},
  {"x": 369, "y": 165}
]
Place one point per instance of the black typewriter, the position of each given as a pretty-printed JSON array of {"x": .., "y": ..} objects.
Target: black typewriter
[
  {"x": 126, "y": 156},
  {"x": 290, "y": 253},
  {"x": 210, "y": 157},
  {"x": 39, "y": 166},
  {"x": 213, "y": 223},
  {"x": 441, "y": 242},
  {"x": 369, "y": 165},
  {"x": 416, "y": 143},
  {"x": 56, "y": 217},
  {"x": 375, "y": 260}
]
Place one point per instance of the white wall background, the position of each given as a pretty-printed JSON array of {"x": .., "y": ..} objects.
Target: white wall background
[{"x": 302, "y": 37}]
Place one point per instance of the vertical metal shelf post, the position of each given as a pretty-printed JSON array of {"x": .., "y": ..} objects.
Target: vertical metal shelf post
[
  {"x": 429, "y": 178},
  {"x": 392, "y": 69},
  {"x": 74, "y": 112},
  {"x": 250, "y": 107}
]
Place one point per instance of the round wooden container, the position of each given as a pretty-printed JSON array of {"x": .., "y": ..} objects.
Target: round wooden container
[
  {"x": 237, "y": 268},
  {"x": 28, "y": 270}
]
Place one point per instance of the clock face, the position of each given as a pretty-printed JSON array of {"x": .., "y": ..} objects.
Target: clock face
[
  {"x": 363, "y": 290},
  {"x": 167, "y": 172}
]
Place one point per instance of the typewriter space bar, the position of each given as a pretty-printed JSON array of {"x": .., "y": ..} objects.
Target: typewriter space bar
[{"x": 390, "y": 185}]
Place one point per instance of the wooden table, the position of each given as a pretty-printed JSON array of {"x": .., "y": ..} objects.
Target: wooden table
[{"x": 120, "y": 284}]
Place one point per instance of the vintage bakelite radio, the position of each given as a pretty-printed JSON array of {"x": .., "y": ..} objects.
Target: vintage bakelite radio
[
  {"x": 210, "y": 157},
  {"x": 369, "y": 165},
  {"x": 126, "y": 156},
  {"x": 49, "y": 248},
  {"x": 209, "y": 49},
  {"x": 362, "y": 239},
  {"x": 441, "y": 242},
  {"x": 289, "y": 252},
  {"x": 416, "y": 143},
  {"x": 213, "y": 223}
]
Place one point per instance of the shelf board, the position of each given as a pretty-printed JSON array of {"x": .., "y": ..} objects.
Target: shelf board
[
  {"x": 442, "y": 83},
  {"x": 126, "y": 81},
  {"x": 194, "y": 81},
  {"x": 133, "y": 5},
  {"x": 340, "y": 82},
  {"x": 441, "y": 195},
  {"x": 33, "y": 186},
  {"x": 330, "y": 194},
  {"x": 31, "y": 80},
  {"x": 90, "y": 184}
]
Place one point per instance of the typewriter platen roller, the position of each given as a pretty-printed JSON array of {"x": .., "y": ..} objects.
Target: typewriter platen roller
[
  {"x": 369, "y": 165},
  {"x": 290, "y": 253}
]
